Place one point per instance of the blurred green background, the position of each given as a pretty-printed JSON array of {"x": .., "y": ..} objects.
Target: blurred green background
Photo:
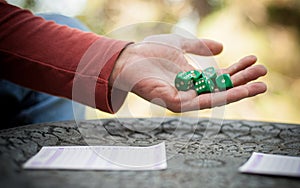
[{"x": 269, "y": 29}]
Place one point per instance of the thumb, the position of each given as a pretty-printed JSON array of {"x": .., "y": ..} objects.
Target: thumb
[{"x": 203, "y": 47}]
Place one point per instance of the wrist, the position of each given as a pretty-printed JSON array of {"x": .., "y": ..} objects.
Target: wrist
[{"x": 123, "y": 59}]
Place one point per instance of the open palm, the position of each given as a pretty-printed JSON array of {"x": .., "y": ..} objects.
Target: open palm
[{"x": 148, "y": 69}]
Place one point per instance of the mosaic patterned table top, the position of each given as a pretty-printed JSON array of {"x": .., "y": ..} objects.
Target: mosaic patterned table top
[{"x": 200, "y": 152}]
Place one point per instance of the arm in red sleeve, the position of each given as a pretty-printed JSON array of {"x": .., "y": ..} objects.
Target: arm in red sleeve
[{"x": 58, "y": 60}]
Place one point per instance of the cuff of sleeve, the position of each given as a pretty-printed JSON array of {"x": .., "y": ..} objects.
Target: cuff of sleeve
[{"x": 91, "y": 83}]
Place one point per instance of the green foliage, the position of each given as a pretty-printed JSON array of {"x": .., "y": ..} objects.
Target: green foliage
[{"x": 29, "y": 4}]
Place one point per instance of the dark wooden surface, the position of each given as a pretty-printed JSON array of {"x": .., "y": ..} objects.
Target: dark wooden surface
[{"x": 200, "y": 152}]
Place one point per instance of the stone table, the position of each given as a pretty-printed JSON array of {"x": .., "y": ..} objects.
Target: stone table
[{"x": 200, "y": 152}]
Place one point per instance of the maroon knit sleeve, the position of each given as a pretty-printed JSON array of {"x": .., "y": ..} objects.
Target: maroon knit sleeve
[{"x": 58, "y": 60}]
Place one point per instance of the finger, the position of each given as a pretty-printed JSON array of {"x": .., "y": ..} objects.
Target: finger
[
  {"x": 245, "y": 91},
  {"x": 210, "y": 100},
  {"x": 241, "y": 65},
  {"x": 249, "y": 74},
  {"x": 203, "y": 47}
]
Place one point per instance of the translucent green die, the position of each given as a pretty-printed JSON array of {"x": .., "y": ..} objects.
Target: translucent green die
[
  {"x": 224, "y": 82},
  {"x": 183, "y": 81},
  {"x": 194, "y": 75},
  {"x": 204, "y": 85},
  {"x": 210, "y": 73}
]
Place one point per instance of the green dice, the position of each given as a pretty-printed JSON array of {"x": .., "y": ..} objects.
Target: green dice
[
  {"x": 210, "y": 73},
  {"x": 204, "y": 85},
  {"x": 202, "y": 82},
  {"x": 224, "y": 82},
  {"x": 183, "y": 81},
  {"x": 194, "y": 75}
]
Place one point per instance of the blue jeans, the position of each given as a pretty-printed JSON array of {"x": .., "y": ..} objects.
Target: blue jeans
[{"x": 21, "y": 106}]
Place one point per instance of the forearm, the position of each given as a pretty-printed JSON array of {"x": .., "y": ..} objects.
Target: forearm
[{"x": 48, "y": 57}]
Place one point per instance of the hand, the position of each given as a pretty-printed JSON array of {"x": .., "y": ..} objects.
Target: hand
[{"x": 148, "y": 69}]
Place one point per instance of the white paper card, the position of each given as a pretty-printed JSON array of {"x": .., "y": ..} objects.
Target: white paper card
[
  {"x": 270, "y": 164},
  {"x": 99, "y": 158}
]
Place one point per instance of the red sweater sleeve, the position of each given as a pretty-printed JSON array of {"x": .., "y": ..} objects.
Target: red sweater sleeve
[{"x": 58, "y": 60}]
